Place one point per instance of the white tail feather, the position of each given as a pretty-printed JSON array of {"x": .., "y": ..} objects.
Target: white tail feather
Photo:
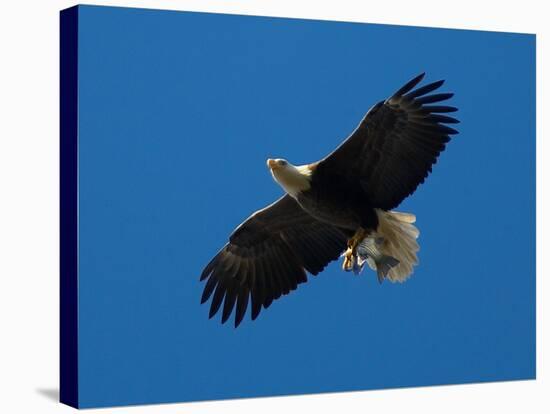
[{"x": 399, "y": 234}]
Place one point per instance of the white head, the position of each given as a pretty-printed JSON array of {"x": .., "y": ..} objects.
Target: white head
[{"x": 293, "y": 179}]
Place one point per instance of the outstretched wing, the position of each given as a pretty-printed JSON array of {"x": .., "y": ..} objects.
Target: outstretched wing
[
  {"x": 267, "y": 256},
  {"x": 394, "y": 147}
]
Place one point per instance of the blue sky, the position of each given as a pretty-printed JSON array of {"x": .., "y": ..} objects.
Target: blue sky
[{"x": 178, "y": 112}]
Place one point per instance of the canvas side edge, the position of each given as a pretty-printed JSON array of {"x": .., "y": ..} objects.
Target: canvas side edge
[{"x": 68, "y": 207}]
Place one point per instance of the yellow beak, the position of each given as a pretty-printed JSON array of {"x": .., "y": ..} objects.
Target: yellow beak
[{"x": 271, "y": 163}]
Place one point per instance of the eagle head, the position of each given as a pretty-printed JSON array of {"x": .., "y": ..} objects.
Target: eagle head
[{"x": 294, "y": 179}]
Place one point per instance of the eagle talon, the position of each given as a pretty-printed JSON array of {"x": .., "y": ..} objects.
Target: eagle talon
[
  {"x": 350, "y": 254},
  {"x": 348, "y": 260}
]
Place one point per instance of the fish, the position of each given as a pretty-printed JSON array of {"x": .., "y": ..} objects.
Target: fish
[{"x": 370, "y": 251}]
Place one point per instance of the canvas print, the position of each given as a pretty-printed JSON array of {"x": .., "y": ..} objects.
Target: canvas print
[{"x": 255, "y": 206}]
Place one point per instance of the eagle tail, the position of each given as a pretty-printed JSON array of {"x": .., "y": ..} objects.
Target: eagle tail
[{"x": 399, "y": 235}]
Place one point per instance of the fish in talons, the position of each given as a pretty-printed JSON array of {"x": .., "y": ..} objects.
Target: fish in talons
[
  {"x": 369, "y": 251},
  {"x": 351, "y": 252}
]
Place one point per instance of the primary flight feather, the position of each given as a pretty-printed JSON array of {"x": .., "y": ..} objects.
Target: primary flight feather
[{"x": 340, "y": 204}]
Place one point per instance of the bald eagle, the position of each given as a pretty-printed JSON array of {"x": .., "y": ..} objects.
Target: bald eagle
[{"x": 340, "y": 206}]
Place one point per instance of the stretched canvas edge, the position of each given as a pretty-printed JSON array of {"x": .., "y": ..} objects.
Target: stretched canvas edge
[{"x": 68, "y": 204}]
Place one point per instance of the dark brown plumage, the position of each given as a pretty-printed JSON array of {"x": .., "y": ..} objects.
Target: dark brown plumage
[
  {"x": 394, "y": 147},
  {"x": 267, "y": 256}
]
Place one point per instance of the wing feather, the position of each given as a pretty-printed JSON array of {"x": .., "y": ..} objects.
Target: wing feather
[
  {"x": 242, "y": 303},
  {"x": 217, "y": 299},
  {"x": 393, "y": 149},
  {"x": 267, "y": 256},
  {"x": 231, "y": 293}
]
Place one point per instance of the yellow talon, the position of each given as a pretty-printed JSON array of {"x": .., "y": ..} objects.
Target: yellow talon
[
  {"x": 353, "y": 242},
  {"x": 348, "y": 260}
]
